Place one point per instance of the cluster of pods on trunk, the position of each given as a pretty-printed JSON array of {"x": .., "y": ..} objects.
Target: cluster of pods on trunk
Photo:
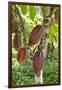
[{"x": 34, "y": 38}]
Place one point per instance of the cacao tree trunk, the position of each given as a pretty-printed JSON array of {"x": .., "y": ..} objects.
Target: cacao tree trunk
[
  {"x": 39, "y": 79},
  {"x": 47, "y": 20}
]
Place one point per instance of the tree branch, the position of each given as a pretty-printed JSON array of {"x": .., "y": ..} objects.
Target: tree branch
[{"x": 21, "y": 21}]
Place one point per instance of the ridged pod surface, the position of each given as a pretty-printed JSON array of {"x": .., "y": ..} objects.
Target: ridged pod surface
[
  {"x": 35, "y": 35},
  {"x": 57, "y": 17},
  {"x": 21, "y": 55},
  {"x": 17, "y": 40},
  {"x": 38, "y": 62},
  {"x": 14, "y": 25}
]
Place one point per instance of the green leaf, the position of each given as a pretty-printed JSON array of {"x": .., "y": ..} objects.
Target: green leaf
[
  {"x": 32, "y": 12},
  {"x": 53, "y": 29},
  {"x": 52, "y": 33},
  {"x": 50, "y": 39},
  {"x": 24, "y": 9}
]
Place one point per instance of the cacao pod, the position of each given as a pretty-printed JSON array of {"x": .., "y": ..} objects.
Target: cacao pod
[
  {"x": 35, "y": 35},
  {"x": 21, "y": 55},
  {"x": 17, "y": 40},
  {"x": 14, "y": 25},
  {"x": 57, "y": 16},
  {"x": 38, "y": 62}
]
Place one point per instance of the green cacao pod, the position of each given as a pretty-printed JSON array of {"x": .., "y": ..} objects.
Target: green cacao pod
[
  {"x": 35, "y": 35},
  {"x": 38, "y": 62},
  {"x": 17, "y": 40}
]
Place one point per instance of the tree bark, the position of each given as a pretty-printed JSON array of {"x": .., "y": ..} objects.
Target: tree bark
[{"x": 47, "y": 20}]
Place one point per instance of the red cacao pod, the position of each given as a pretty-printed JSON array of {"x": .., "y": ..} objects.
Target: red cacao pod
[
  {"x": 14, "y": 25},
  {"x": 35, "y": 35},
  {"x": 38, "y": 62},
  {"x": 17, "y": 40},
  {"x": 21, "y": 55},
  {"x": 57, "y": 16}
]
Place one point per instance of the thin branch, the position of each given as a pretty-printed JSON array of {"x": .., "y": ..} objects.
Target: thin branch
[
  {"x": 22, "y": 24},
  {"x": 15, "y": 19},
  {"x": 23, "y": 30}
]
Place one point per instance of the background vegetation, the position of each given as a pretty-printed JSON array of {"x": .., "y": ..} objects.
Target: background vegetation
[{"x": 22, "y": 74}]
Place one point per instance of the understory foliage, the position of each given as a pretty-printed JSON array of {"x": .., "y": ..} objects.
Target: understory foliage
[{"x": 30, "y": 16}]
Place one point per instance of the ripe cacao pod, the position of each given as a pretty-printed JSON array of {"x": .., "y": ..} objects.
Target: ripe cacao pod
[
  {"x": 38, "y": 62},
  {"x": 35, "y": 35},
  {"x": 57, "y": 16},
  {"x": 21, "y": 55},
  {"x": 14, "y": 25},
  {"x": 17, "y": 40}
]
